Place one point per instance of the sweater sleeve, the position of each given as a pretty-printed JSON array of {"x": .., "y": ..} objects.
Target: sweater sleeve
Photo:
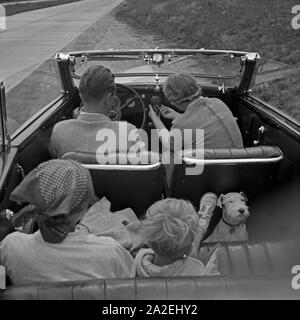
[
  {"x": 124, "y": 263},
  {"x": 4, "y": 249}
]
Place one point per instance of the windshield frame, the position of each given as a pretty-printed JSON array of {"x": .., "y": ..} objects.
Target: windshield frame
[
  {"x": 5, "y": 138},
  {"x": 144, "y": 54}
]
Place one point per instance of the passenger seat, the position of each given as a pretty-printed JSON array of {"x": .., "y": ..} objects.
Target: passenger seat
[{"x": 252, "y": 170}]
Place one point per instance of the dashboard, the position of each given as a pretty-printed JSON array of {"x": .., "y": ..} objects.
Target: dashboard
[
  {"x": 134, "y": 110},
  {"x": 137, "y": 98}
]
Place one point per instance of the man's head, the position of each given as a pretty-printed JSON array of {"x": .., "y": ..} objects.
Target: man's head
[
  {"x": 97, "y": 88},
  {"x": 180, "y": 89},
  {"x": 169, "y": 228}
]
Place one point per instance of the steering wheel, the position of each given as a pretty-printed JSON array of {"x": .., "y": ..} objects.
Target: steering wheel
[{"x": 136, "y": 96}]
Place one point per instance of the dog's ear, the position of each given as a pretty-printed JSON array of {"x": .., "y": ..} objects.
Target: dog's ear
[{"x": 244, "y": 196}]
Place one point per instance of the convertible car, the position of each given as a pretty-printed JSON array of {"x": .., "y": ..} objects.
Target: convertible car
[{"x": 267, "y": 170}]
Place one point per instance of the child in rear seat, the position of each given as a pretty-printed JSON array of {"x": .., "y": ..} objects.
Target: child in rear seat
[
  {"x": 171, "y": 229},
  {"x": 58, "y": 194}
]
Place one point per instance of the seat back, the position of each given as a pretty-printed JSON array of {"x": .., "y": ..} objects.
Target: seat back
[
  {"x": 125, "y": 185},
  {"x": 252, "y": 170},
  {"x": 248, "y": 271},
  {"x": 184, "y": 288},
  {"x": 257, "y": 258}
]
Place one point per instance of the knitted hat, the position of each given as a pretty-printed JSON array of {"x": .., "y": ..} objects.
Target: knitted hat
[{"x": 56, "y": 187}]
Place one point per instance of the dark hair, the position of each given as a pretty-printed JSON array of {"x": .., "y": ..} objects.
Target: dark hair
[{"x": 95, "y": 82}]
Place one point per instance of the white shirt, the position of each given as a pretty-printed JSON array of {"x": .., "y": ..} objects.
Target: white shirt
[{"x": 28, "y": 258}]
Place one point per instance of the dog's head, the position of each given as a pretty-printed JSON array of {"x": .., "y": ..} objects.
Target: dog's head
[{"x": 234, "y": 208}]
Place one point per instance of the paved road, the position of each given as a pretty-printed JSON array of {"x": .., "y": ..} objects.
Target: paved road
[{"x": 32, "y": 37}]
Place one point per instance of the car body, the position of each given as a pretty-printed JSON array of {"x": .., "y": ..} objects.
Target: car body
[{"x": 268, "y": 173}]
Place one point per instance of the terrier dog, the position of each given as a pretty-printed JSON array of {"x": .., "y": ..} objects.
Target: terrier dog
[{"x": 234, "y": 214}]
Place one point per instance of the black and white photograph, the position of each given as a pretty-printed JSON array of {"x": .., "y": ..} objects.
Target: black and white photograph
[{"x": 149, "y": 153}]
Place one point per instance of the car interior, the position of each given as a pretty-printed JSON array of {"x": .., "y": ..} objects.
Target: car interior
[{"x": 268, "y": 163}]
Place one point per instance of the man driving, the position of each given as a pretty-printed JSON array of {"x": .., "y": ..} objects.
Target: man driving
[{"x": 93, "y": 132}]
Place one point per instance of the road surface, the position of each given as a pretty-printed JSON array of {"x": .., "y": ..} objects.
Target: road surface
[{"x": 34, "y": 36}]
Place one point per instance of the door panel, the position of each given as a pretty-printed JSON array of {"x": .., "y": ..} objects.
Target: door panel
[
  {"x": 279, "y": 131},
  {"x": 11, "y": 176}
]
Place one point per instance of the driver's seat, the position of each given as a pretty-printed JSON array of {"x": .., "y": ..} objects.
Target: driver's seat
[{"x": 136, "y": 186}]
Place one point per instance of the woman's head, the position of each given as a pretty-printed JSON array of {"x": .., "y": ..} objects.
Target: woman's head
[
  {"x": 169, "y": 228},
  {"x": 58, "y": 193},
  {"x": 180, "y": 89}
]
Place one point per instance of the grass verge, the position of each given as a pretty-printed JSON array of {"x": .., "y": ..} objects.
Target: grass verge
[
  {"x": 255, "y": 25},
  {"x": 259, "y": 26}
]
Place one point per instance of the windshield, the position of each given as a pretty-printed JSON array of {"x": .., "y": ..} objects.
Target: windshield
[
  {"x": 26, "y": 96},
  {"x": 212, "y": 69}
]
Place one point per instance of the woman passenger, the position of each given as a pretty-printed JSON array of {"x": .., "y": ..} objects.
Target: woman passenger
[
  {"x": 210, "y": 114},
  {"x": 58, "y": 194}
]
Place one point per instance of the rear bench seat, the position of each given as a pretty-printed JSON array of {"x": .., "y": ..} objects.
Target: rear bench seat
[
  {"x": 273, "y": 258},
  {"x": 249, "y": 271}
]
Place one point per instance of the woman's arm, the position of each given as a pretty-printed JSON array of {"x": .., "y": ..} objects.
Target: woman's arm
[
  {"x": 164, "y": 132},
  {"x": 168, "y": 113},
  {"x": 207, "y": 206}
]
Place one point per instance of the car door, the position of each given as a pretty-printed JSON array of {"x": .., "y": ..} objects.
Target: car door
[{"x": 268, "y": 111}]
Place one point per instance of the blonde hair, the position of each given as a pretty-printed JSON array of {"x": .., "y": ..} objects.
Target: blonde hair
[
  {"x": 169, "y": 227},
  {"x": 181, "y": 87}
]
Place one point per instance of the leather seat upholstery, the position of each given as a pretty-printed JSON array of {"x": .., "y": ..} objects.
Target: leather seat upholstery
[
  {"x": 252, "y": 170},
  {"x": 184, "y": 288},
  {"x": 272, "y": 258},
  {"x": 249, "y": 271},
  {"x": 124, "y": 184},
  {"x": 261, "y": 152}
]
